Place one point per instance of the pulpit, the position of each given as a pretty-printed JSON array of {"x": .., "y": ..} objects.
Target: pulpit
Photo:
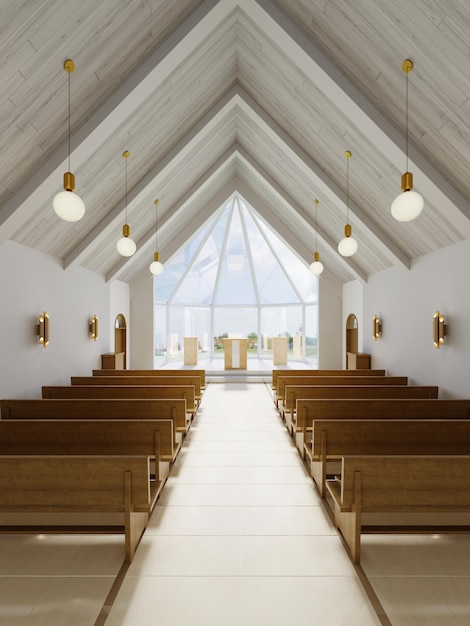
[
  {"x": 235, "y": 354},
  {"x": 279, "y": 350},
  {"x": 190, "y": 346}
]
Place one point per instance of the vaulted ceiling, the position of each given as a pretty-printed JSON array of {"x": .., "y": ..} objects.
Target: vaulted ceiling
[{"x": 215, "y": 98}]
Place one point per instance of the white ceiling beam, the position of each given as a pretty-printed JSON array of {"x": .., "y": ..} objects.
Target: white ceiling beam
[
  {"x": 168, "y": 250},
  {"x": 362, "y": 113},
  {"x": 266, "y": 214},
  {"x": 267, "y": 179},
  {"x": 175, "y": 212},
  {"x": 169, "y": 161},
  {"x": 322, "y": 181},
  {"x": 42, "y": 185}
]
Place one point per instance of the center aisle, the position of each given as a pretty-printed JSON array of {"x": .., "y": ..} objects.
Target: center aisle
[{"x": 239, "y": 536}]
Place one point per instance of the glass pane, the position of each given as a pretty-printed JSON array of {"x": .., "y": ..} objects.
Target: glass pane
[
  {"x": 311, "y": 335},
  {"x": 273, "y": 285},
  {"x": 305, "y": 282},
  {"x": 159, "y": 335},
  {"x": 235, "y": 284}
]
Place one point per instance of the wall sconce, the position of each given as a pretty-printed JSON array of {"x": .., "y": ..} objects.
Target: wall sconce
[
  {"x": 94, "y": 327},
  {"x": 376, "y": 328},
  {"x": 42, "y": 329},
  {"x": 439, "y": 329}
]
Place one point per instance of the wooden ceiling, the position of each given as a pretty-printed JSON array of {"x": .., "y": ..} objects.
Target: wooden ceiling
[{"x": 256, "y": 98}]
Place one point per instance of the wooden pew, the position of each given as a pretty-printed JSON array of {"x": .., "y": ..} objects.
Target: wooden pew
[
  {"x": 120, "y": 393},
  {"x": 308, "y": 410},
  {"x": 100, "y": 409},
  {"x": 388, "y": 392},
  {"x": 311, "y": 372},
  {"x": 332, "y": 439},
  {"x": 334, "y": 381},
  {"x": 144, "y": 381},
  {"x": 391, "y": 484},
  {"x": 158, "y": 372},
  {"x": 74, "y": 484},
  {"x": 153, "y": 438}
]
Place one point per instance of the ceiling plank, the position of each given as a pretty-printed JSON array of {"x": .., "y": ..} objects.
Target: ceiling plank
[
  {"x": 323, "y": 181},
  {"x": 158, "y": 67},
  {"x": 177, "y": 153},
  {"x": 279, "y": 227},
  {"x": 336, "y": 86},
  {"x": 175, "y": 212}
]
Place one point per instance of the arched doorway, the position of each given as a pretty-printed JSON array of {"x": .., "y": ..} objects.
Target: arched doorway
[
  {"x": 352, "y": 339},
  {"x": 120, "y": 336}
]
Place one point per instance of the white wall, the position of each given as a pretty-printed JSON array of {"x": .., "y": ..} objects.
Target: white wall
[
  {"x": 329, "y": 326},
  {"x": 142, "y": 305},
  {"x": 31, "y": 283},
  {"x": 406, "y": 302}
]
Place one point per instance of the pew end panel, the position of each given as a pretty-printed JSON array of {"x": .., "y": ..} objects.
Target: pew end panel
[
  {"x": 435, "y": 484},
  {"x": 58, "y": 483}
]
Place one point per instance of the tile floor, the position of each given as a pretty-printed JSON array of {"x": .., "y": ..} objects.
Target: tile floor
[{"x": 239, "y": 536}]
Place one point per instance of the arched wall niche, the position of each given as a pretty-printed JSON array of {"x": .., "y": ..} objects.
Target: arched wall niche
[{"x": 120, "y": 335}]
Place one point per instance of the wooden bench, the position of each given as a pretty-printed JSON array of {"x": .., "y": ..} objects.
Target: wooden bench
[
  {"x": 153, "y": 438},
  {"x": 73, "y": 484},
  {"x": 405, "y": 484},
  {"x": 101, "y": 409},
  {"x": 332, "y": 439},
  {"x": 308, "y": 410},
  {"x": 165, "y": 410},
  {"x": 158, "y": 373},
  {"x": 334, "y": 381},
  {"x": 387, "y": 392},
  {"x": 121, "y": 393},
  {"x": 311, "y": 372},
  {"x": 144, "y": 381}
]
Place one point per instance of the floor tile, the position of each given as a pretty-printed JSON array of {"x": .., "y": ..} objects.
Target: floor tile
[
  {"x": 295, "y": 556},
  {"x": 187, "y": 556},
  {"x": 181, "y": 601},
  {"x": 194, "y": 520},
  {"x": 285, "y": 520},
  {"x": 278, "y": 601}
]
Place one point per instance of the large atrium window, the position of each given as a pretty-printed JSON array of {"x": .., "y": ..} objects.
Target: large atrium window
[{"x": 235, "y": 278}]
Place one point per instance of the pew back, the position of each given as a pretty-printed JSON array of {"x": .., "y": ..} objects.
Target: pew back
[
  {"x": 311, "y": 372},
  {"x": 308, "y": 410},
  {"x": 82, "y": 437},
  {"x": 336, "y": 381},
  {"x": 159, "y": 373},
  {"x": 126, "y": 396},
  {"x": 332, "y": 439},
  {"x": 141, "y": 381},
  {"x": 296, "y": 393}
]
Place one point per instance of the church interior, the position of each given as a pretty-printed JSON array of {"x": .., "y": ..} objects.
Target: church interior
[{"x": 335, "y": 134}]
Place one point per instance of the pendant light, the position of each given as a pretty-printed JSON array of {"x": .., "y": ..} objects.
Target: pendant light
[
  {"x": 67, "y": 204},
  {"x": 125, "y": 245},
  {"x": 156, "y": 267},
  {"x": 408, "y": 204},
  {"x": 317, "y": 266},
  {"x": 348, "y": 245}
]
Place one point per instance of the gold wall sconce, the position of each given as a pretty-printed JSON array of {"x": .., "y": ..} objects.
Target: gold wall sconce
[
  {"x": 439, "y": 329},
  {"x": 376, "y": 328},
  {"x": 42, "y": 329},
  {"x": 94, "y": 327}
]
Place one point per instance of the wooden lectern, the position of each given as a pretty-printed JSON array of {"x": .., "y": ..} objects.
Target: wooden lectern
[
  {"x": 279, "y": 350},
  {"x": 190, "y": 345},
  {"x": 235, "y": 354}
]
